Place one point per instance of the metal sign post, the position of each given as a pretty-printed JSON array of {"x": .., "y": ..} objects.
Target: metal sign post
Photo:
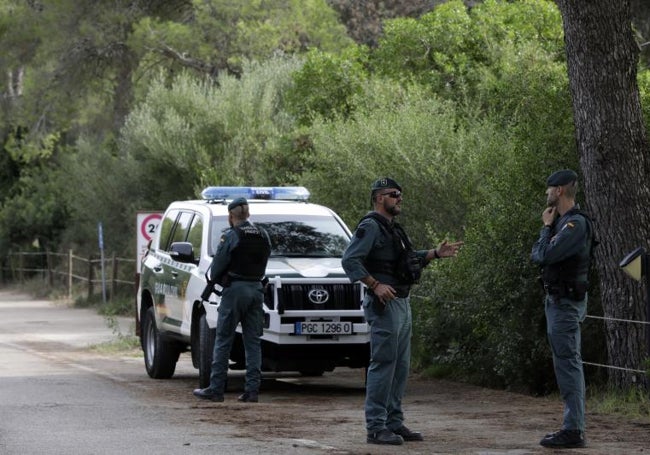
[{"x": 101, "y": 252}]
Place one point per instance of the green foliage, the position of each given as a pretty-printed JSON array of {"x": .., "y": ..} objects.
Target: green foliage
[
  {"x": 452, "y": 49},
  {"x": 436, "y": 49},
  {"x": 194, "y": 133},
  {"x": 473, "y": 167},
  {"x": 485, "y": 312},
  {"x": 326, "y": 83},
  {"x": 181, "y": 138},
  {"x": 221, "y": 35},
  {"x": 101, "y": 187},
  {"x": 404, "y": 133},
  {"x": 31, "y": 211}
]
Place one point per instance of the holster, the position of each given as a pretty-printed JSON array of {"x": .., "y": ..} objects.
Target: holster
[{"x": 574, "y": 290}]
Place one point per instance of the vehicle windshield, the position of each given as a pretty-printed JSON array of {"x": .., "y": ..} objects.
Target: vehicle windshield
[{"x": 294, "y": 235}]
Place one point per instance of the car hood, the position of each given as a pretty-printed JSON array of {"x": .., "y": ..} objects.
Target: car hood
[{"x": 305, "y": 267}]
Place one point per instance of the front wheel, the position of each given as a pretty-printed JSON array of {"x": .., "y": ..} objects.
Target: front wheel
[
  {"x": 206, "y": 348},
  {"x": 160, "y": 355}
]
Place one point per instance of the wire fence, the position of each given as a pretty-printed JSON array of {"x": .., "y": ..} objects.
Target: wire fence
[
  {"x": 601, "y": 365},
  {"x": 614, "y": 367},
  {"x": 87, "y": 275}
]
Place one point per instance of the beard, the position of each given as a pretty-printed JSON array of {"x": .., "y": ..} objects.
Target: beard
[
  {"x": 551, "y": 201},
  {"x": 393, "y": 210}
]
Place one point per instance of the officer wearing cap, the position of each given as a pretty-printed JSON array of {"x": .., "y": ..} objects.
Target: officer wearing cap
[
  {"x": 381, "y": 256},
  {"x": 563, "y": 250},
  {"x": 238, "y": 266}
]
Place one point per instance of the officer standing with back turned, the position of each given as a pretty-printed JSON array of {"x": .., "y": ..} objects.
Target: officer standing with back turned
[
  {"x": 381, "y": 256},
  {"x": 563, "y": 250},
  {"x": 239, "y": 266}
]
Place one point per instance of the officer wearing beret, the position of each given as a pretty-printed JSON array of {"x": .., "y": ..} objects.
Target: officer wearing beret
[
  {"x": 381, "y": 256},
  {"x": 563, "y": 250},
  {"x": 238, "y": 266}
]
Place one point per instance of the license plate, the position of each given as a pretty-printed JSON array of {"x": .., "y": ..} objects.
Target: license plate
[{"x": 323, "y": 328}]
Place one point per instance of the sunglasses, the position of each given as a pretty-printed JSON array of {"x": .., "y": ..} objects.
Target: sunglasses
[{"x": 393, "y": 194}]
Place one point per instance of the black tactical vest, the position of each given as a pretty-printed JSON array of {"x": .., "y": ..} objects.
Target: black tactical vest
[
  {"x": 396, "y": 264},
  {"x": 248, "y": 259},
  {"x": 574, "y": 269}
]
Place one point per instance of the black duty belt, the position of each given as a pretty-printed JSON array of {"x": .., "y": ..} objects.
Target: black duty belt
[
  {"x": 241, "y": 278},
  {"x": 554, "y": 289}
]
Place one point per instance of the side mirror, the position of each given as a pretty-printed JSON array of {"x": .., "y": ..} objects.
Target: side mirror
[
  {"x": 632, "y": 264},
  {"x": 182, "y": 252}
]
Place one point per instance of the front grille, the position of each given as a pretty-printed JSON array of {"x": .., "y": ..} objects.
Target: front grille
[{"x": 339, "y": 296}]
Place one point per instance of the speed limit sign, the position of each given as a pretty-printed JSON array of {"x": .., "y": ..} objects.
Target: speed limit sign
[{"x": 146, "y": 225}]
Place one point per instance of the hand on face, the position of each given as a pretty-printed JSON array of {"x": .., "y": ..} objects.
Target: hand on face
[{"x": 548, "y": 215}]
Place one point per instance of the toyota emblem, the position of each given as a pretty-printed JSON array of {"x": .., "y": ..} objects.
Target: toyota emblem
[{"x": 318, "y": 296}]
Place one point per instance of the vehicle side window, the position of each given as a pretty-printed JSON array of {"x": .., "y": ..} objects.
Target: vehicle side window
[
  {"x": 166, "y": 229},
  {"x": 195, "y": 236},
  {"x": 182, "y": 227},
  {"x": 217, "y": 228}
]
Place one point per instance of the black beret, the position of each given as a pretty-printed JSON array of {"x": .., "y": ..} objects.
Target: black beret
[
  {"x": 237, "y": 202},
  {"x": 561, "y": 178},
  {"x": 385, "y": 183}
]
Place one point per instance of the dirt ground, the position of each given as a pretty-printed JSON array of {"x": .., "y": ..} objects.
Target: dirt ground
[{"x": 325, "y": 415}]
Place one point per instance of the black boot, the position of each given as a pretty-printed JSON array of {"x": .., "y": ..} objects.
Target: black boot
[{"x": 564, "y": 439}]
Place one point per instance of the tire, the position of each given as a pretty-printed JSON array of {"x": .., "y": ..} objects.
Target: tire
[
  {"x": 160, "y": 355},
  {"x": 206, "y": 348}
]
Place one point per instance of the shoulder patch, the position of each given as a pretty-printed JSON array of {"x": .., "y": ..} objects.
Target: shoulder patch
[
  {"x": 360, "y": 233},
  {"x": 223, "y": 238}
]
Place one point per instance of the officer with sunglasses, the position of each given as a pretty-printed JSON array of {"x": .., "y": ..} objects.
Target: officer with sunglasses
[{"x": 381, "y": 256}]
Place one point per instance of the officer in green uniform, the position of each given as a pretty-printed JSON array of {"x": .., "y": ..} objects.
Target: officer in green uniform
[
  {"x": 563, "y": 250},
  {"x": 238, "y": 266},
  {"x": 381, "y": 256}
]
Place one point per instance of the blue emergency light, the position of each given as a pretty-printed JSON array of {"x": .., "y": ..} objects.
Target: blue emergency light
[{"x": 284, "y": 193}]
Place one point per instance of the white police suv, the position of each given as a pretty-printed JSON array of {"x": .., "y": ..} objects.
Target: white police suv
[{"x": 313, "y": 317}]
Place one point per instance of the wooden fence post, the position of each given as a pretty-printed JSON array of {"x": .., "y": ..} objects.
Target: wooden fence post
[
  {"x": 90, "y": 277},
  {"x": 50, "y": 269},
  {"x": 21, "y": 264},
  {"x": 113, "y": 277}
]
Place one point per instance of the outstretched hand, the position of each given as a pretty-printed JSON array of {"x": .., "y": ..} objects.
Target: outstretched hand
[{"x": 448, "y": 250}]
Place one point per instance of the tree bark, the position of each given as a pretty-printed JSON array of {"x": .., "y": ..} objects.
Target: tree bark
[{"x": 602, "y": 57}]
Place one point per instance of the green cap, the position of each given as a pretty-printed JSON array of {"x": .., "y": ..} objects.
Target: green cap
[
  {"x": 561, "y": 178},
  {"x": 385, "y": 182},
  {"x": 237, "y": 202}
]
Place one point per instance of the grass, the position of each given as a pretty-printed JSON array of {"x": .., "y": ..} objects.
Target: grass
[
  {"x": 124, "y": 344},
  {"x": 632, "y": 404}
]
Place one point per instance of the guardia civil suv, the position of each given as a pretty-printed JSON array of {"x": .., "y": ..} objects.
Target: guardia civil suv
[{"x": 313, "y": 317}]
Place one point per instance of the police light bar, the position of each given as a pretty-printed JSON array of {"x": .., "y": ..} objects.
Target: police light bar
[{"x": 285, "y": 193}]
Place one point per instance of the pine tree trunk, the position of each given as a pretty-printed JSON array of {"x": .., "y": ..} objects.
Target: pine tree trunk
[{"x": 611, "y": 139}]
